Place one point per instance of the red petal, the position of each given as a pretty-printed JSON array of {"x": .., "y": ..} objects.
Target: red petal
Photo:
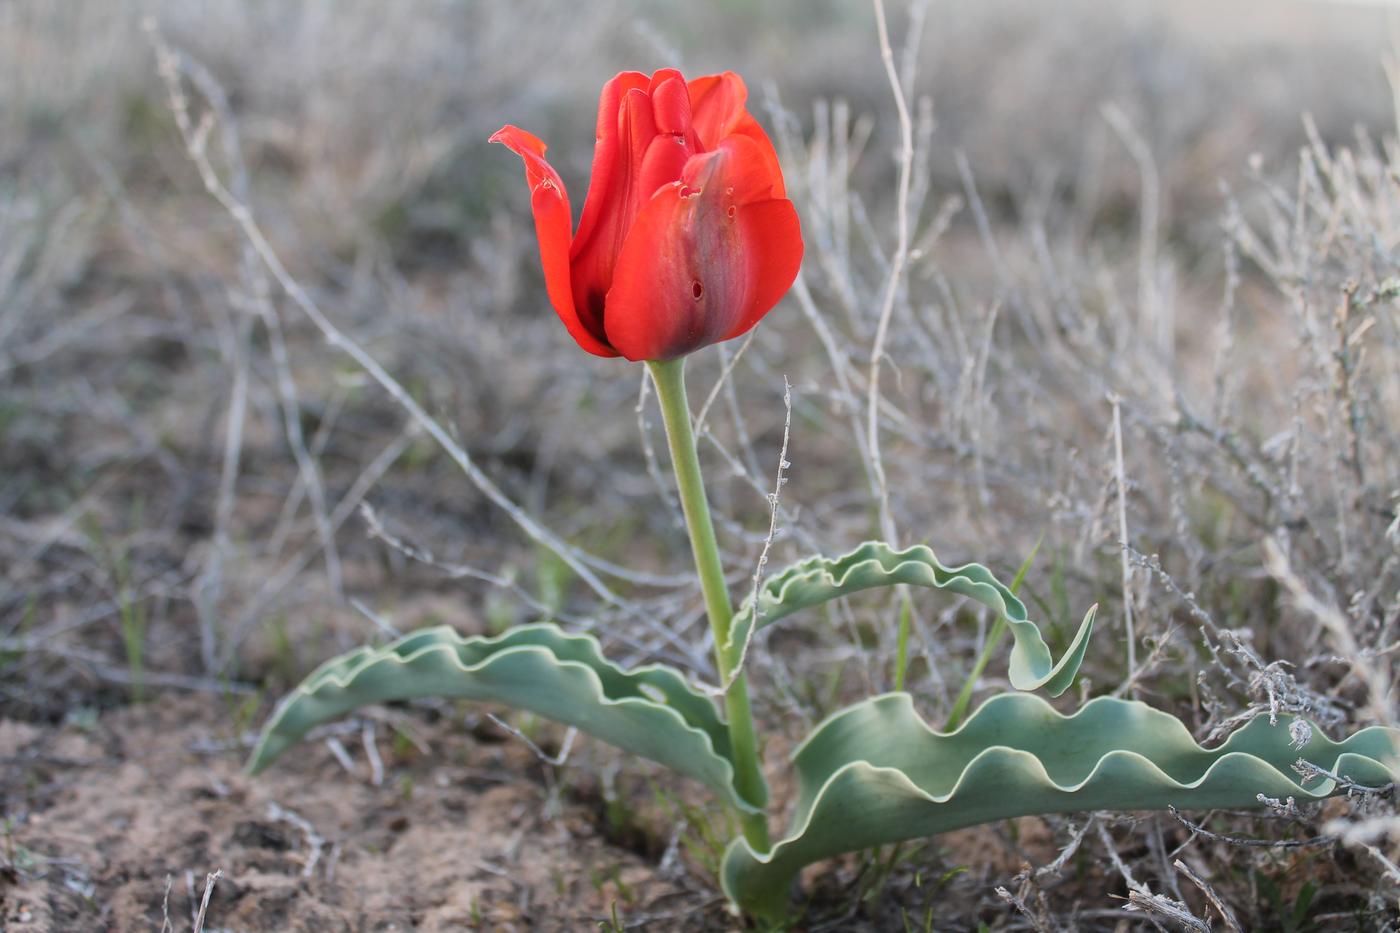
[
  {"x": 675, "y": 142},
  {"x": 605, "y": 151},
  {"x": 661, "y": 75},
  {"x": 701, "y": 265},
  {"x": 663, "y": 163},
  {"x": 718, "y": 104},
  {"x": 670, "y": 100},
  {"x": 743, "y": 165},
  {"x": 775, "y": 226},
  {"x": 616, "y": 196},
  {"x": 550, "y": 204},
  {"x": 636, "y": 125},
  {"x": 530, "y": 148}
]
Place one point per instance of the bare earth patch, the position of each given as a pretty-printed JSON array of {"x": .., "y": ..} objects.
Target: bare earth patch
[{"x": 458, "y": 839}]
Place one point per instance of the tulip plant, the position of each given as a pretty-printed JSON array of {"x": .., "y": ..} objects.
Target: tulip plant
[{"x": 687, "y": 238}]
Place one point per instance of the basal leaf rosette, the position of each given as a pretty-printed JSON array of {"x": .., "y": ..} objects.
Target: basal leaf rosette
[
  {"x": 878, "y": 773},
  {"x": 649, "y": 711},
  {"x": 875, "y": 564}
]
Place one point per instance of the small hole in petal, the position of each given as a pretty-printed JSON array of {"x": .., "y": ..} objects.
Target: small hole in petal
[
  {"x": 732, "y": 210},
  {"x": 696, "y": 290}
]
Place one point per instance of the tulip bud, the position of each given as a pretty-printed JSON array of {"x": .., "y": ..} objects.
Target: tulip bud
[{"x": 687, "y": 237}]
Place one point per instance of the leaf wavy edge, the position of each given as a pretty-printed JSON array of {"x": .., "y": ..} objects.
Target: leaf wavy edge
[
  {"x": 1017, "y": 782},
  {"x": 818, "y": 579},
  {"x": 652, "y": 695}
]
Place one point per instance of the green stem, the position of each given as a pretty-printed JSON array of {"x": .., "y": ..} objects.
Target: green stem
[{"x": 675, "y": 411}]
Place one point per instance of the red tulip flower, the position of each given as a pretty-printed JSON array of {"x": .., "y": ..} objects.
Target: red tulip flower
[{"x": 687, "y": 237}]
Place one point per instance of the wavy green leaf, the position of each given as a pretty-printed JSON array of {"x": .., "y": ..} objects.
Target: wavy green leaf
[
  {"x": 877, "y": 773},
  {"x": 819, "y": 579},
  {"x": 649, "y": 711}
]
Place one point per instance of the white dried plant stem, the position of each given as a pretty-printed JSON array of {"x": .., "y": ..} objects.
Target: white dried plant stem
[
  {"x": 209, "y": 881},
  {"x": 896, "y": 272},
  {"x": 252, "y": 613},
  {"x": 208, "y": 588},
  {"x": 1120, "y": 471},
  {"x": 1151, "y": 310},
  {"x": 242, "y": 216},
  {"x": 839, "y": 365},
  {"x": 1380, "y": 684},
  {"x": 309, "y": 471},
  {"x": 663, "y": 488},
  {"x": 761, "y": 564}
]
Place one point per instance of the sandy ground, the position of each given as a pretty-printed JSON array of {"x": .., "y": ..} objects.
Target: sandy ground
[
  {"x": 139, "y": 798},
  {"x": 117, "y": 819}
]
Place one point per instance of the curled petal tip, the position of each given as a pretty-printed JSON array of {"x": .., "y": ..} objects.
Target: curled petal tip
[
  {"x": 519, "y": 141},
  {"x": 549, "y": 202}
]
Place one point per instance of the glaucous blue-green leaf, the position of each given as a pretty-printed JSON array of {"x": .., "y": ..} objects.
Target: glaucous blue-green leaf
[
  {"x": 649, "y": 711},
  {"x": 877, "y": 773},
  {"x": 819, "y": 579}
]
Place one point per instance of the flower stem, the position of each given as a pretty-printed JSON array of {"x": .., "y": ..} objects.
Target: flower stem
[{"x": 669, "y": 378}]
